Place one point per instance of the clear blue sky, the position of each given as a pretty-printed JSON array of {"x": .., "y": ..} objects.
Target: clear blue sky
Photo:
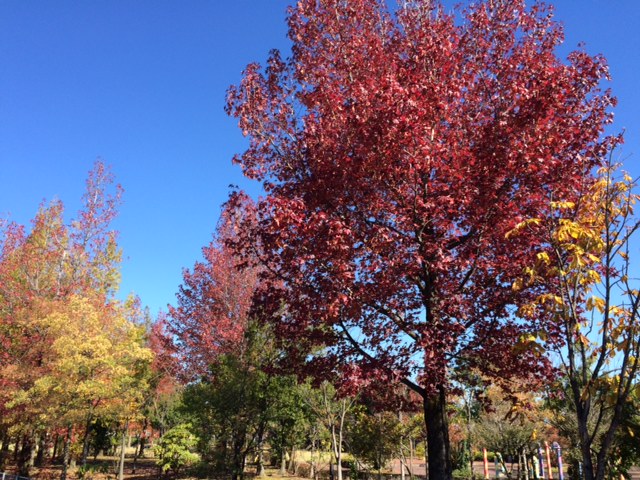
[{"x": 141, "y": 84}]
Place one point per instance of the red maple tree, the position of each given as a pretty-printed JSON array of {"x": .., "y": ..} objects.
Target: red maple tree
[
  {"x": 213, "y": 304},
  {"x": 396, "y": 150}
]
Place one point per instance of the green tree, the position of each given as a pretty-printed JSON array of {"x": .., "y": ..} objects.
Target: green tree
[
  {"x": 375, "y": 438},
  {"x": 330, "y": 408},
  {"x": 288, "y": 418},
  {"x": 175, "y": 449}
]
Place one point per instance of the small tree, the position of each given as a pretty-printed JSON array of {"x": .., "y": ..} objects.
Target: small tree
[
  {"x": 331, "y": 409},
  {"x": 582, "y": 279},
  {"x": 374, "y": 438},
  {"x": 174, "y": 449},
  {"x": 510, "y": 425}
]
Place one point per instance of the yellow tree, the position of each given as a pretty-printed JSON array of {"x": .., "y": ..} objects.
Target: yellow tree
[
  {"x": 56, "y": 277},
  {"x": 582, "y": 279},
  {"x": 95, "y": 360}
]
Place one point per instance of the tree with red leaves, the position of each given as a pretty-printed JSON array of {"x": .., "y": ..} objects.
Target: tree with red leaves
[
  {"x": 397, "y": 149},
  {"x": 212, "y": 311}
]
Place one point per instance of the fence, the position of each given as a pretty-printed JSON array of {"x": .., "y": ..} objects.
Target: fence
[{"x": 11, "y": 476}]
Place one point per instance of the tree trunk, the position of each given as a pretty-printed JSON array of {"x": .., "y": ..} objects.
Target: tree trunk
[
  {"x": 25, "y": 457},
  {"x": 411, "y": 454},
  {"x": 293, "y": 468},
  {"x": 16, "y": 450},
  {"x": 122, "y": 449},
  {"x": 260, "y": 445},
  {"x": 85, "y": 443},
  {"x": 42, "y": 449},
  {"x": 239, "y": 455},
  {"x": 34, "y": 441},
  {"x": 56, "y": 439},
  {"x": 66, "y": 454},
  {"x": 336, "y": 438},
  {"x": 139, "y": 452},
  {"x": 283, "y": 461},
  {"x": 312, "y": 468},
  {"x": 583, "y": 434},
  {"x": 141, "y": 441},
  {"x": 438, "y": 448},
  {"x": 4, "y": 451},
  {"x": 403, "y": 458}
]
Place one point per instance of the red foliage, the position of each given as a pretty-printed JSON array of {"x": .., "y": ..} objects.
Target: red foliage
[
  {"x": 396, "y": 150},
  {"x": 213, "y": 303}
]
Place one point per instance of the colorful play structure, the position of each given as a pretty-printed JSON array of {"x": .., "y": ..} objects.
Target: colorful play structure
[{"x": 534, "y": 465}]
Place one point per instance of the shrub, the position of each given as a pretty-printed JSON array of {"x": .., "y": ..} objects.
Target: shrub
[{"x": 174, "y": 449}]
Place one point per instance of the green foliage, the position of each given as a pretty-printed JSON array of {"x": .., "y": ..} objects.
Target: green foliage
[
  {"x": 174, "y": 449},
  {"x": 240, "y": 406},
  {"x": 375, "y": 438},
  {"x": 627, "y": 445},
  {"x": 462, "y": 474},
  {"x": 89, "y": 472},
  {"x": 288, "y": 414}
]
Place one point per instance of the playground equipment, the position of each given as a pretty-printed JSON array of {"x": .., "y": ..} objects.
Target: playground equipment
[{"x": 536, "y": 465}]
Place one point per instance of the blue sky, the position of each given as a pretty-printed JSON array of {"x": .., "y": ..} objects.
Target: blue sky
[{"x": 142, "y": 83}]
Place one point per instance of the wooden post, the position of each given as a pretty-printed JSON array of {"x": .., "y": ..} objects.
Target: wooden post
[
  {"x": 548, "y": 451},
  {"x": 486, "y": 464}
]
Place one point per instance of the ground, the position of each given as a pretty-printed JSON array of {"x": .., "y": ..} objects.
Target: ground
[
  {"x": 147, "y": 470},
  {"x": 419, "y": 468}
]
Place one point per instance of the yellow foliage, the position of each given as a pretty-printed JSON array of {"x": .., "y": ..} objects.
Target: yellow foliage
[
  {"x": 562, "y": 205},
  {"x": 521, "y": 226},
  {"x": 595, "y": 302},
  {"x": 93, "y": 362},
  {"x": 543, "y": 257}
]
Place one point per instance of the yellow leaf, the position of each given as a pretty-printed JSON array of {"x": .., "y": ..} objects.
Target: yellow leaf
[
  {"x": 562, "y": 205},
  {"x": 593, "y": 258},
  {"x": 595, "y": 302},
  {"x": 543, "y": 257},
  {"x": 517, "y": 285}
]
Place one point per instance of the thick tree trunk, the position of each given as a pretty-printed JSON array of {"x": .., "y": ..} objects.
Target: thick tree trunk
[
  {"x": 582, "y": 409},
  {"x": 438, "y": 448}
]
